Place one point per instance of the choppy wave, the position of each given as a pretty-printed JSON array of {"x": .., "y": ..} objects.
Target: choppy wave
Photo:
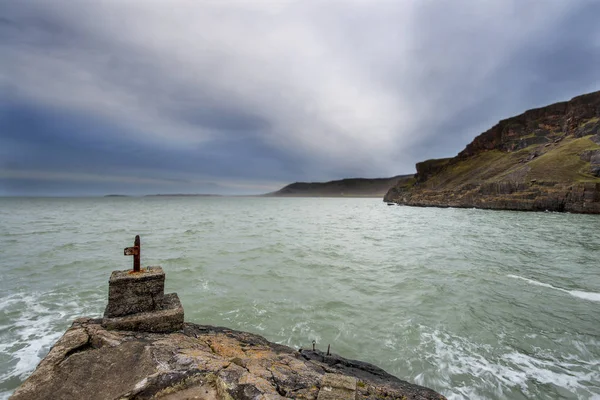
[
  {"x": 30, "y": 336},
  {"x": 592, "y": 296},
  {"x": 414, "y": 291},
  {"x": 41, "y": 319},
  {"x": 501, "y": 371}
]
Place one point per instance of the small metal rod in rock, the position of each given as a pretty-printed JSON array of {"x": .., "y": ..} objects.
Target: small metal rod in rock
[{"x": 135, "y": 252}]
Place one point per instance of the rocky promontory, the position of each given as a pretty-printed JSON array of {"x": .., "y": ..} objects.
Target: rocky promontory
[
  {"x": 142, "y": 349},
  {"x": 200, "y": 362},
  {"x": 546, "y": 159}
]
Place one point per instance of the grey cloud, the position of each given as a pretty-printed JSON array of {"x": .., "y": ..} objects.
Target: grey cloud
[{"x": 342, "y": 88}]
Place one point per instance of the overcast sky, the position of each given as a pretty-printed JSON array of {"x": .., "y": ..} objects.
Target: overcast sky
[{"x": 224, "y": 96}]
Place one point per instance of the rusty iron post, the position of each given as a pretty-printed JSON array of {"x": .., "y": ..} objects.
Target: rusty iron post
[{"x": 135, "y": 252}]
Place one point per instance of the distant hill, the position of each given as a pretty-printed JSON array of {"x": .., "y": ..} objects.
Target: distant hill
[
  {"x": 544, "y": 159},
  {"x": 182, "y": 195},
  {"x": 352, "y": 187}
]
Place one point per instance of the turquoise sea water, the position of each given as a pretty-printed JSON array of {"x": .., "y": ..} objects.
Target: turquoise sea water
[{"x": 472, "y": 303}]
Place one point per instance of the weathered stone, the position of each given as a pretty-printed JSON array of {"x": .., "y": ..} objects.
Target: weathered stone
[
  {"x": 587, "y": 129},
  {"x": 168, "y": 318},
  {"x": 135, "y": 292},
  {"x": 595, "y": 163},
  {"x": 337, "y": 387},
  {"x": 203, "y": 362},
  {"x": 75, "y": 369}
]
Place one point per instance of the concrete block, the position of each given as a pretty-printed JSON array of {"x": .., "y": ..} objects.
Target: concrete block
[
  {"x": 135, "y": 292},
  {"x": 168, "y": 318}
]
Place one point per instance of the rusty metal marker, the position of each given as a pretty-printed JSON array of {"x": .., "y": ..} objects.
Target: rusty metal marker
[
  {"x": 135, "y": 252},
  {"x": 137, "y": 299}
]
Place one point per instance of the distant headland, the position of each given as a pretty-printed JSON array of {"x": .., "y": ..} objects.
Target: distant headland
[
  {"x": 351, "y": 187},
  {"x": 182, "y": 195},
  {"x": 546, "y": 159},
  {"x": 167, "y": 195}
]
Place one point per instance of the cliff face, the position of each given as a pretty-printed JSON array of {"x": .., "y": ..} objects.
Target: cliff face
[
  {"x": 353, "y": 187},
  {"x": 544, "y": 159},
  {"x": 200, "y": 362}
]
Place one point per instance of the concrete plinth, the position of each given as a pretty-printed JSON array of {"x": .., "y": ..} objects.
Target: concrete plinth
[
  {"x": 167, "y": 319},
  {"x": 135, "y": 292},
  {"x": 136, "y": 302}
]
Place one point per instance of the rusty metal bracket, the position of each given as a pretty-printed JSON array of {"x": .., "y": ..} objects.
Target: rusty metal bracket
[{"x": 135, "y": 252}]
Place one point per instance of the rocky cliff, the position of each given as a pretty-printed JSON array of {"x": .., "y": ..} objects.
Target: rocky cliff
[
  {"x": 544, "y": 159},
  {"x": 200, "y": 362},
  {"x": 352, "y": 187}
]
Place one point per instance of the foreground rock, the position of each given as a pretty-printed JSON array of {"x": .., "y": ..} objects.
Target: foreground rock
[
  {"x": 544, "y": 159},
  {"x": 200, "y": 362}
]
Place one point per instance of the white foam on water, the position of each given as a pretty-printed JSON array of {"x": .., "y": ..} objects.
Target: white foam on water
[
  {"x": 34, "y": 334},
  {"x": 40, "y": 323},
  {"x": 585, "y": 295},
  {"x": 301, "y": 334},
  {"x": 550, "y": 371},
  {"x": 592, "y": 296},
  {"x": 471, "y": 370}
]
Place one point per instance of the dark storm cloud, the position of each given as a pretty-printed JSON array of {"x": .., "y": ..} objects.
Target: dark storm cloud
[
  {"x": 50, "y": 142},
  {"x": 552, "y": 62},
  {"x": 175, "y": 96}
]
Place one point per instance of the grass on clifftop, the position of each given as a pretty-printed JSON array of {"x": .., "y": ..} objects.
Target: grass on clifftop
[
  {"x": 563, "y": 163},
  {"x": 476, "y": 169},
  {"x": 560, "y": 162}
]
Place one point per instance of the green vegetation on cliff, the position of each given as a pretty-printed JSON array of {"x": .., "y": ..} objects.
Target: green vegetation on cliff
[
  {"x": 564, "y": 163},
  {"x": 544, "y": 159}
]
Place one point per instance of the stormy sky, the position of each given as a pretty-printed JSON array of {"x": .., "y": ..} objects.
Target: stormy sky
[{"x": 240, "y": 97}]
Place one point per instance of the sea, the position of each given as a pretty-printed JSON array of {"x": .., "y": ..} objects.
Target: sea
[{"x": 474, "y": 304}]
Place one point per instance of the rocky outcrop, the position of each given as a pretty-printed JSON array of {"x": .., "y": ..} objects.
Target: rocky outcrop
[
  {"x": 540, "y": 126},
  {"x": 142, "y": 349},
  {"x": 201, "y": 362},
  {"x": 581, "y": 198},
  {"x": 428, "y": 168},
  {"x": 544, "y": 159},
  {"x": 593, "y": 157}
]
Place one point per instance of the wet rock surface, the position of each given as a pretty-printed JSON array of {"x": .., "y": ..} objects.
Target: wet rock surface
[{"x": 200, "y": 362}]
